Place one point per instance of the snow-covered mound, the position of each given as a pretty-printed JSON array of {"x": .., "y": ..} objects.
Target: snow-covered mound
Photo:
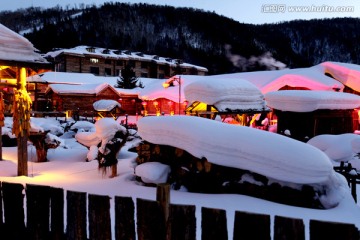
[
  {"x": 262, "y": 152},
  {"x": 105, "y": 129},
  {"x": 153, "y": 172},
  {"x": 308, "y": 101},
  {"x": 329, "y": 144},
  {"x": 227, "y": 94},
  {"x": 83, "y": 126},
  {"x": 106, "y": 105}
]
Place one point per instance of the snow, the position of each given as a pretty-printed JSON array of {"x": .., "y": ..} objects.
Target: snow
[
  {"x": 67, "y": 168},
  {"x": 308, "y": 101},
  {"x": 329, "y": 144},
  {"x": 238, "y": 147},
  {"x": 71, "y": 165},
  {"x": 225, "y": 95},
  {"x": 79, "y": 89},
  {"x": 14, "y": 47},
  {"x": 106, "y": 105},
  {"x": 347, "y": 73},
  {"x": 153, "y": 172},
  {"x": 121, "y": 54}
]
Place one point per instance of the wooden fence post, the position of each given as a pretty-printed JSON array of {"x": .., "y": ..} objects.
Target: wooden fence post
[
  {"x": 38, "y": 211},
  {"x": 251, "y": 226},
  {"x": 57, "y": 213},
  {"x": 124, "y": 218},
  {"x": 163, "y": 198},
  {"x": 76, "y": 216},
  {"x": 213, "y": 224},
  {"x": 99, "y": 217},
  {"x": 182, "y": 222},
  {"x": 289, "y": 228},
  {"x": 332, "y": 231},
  {"x": 13, "y": 211},
  {"x": 150, "y": 221}
]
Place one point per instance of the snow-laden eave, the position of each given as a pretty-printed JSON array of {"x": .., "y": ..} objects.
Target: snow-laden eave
[
  {"x": 15, "y": 50},
  {"x": 346, "y": 73}
]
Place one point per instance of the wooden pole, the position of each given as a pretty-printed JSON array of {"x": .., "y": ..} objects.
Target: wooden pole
[
  {"x": 163, "y": 197},
  {"x": 21, "y": 119}
]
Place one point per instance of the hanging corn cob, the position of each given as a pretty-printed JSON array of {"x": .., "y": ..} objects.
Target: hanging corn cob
[
  {"x": 2, "y": 109},
  {"x": 21, "y": 110}
]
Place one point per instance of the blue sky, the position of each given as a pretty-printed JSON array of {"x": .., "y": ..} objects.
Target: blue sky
[{"x": 254, "y": 11}]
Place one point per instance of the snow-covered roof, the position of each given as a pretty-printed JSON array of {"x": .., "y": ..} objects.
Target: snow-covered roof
[
  {"x": 347, "y": 73},
  {"x": 79, "y": 89},
  {"x": 121, "y": 54},
  {"x": 308, "y": 101},
  {"x": 66, "y": 78},
  {"x": 106, "y": 105},
  {"x": 312, "y": 78},
  {"x": 16, "y": 48},
  {"x": 226, "y": 95},
  {"x": 239, "y": 147}
]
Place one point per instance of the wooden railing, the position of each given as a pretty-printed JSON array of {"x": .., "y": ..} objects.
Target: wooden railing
[{"x": 88, "y": 216}]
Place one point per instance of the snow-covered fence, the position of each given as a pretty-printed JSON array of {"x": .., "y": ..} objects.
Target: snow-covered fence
[{"x": 89, "y": 217}]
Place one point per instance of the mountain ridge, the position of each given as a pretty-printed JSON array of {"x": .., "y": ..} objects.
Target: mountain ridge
[{"x": 202, "y": 38}]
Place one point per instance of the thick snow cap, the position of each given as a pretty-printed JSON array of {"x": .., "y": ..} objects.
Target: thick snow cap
[
  {"x": 308, "y": 101},
  {"x": 226, "y": 94},
  {"x": 105, "y": 105},
  {"x": 14, "y": 47},
  {"x": 262, "y": 152}
]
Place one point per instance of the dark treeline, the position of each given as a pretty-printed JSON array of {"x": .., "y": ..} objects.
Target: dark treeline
[{"x": 196, "y": 36}]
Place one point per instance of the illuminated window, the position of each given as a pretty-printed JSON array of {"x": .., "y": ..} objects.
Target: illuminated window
[{"x": 94, "y": 60}]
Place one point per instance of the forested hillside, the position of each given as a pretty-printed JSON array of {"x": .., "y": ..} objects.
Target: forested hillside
[{"x": 198, "y": 37}]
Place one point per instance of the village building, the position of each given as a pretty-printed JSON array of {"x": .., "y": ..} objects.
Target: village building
[
  {"x": 304, "y": 114},
  {"x": 110, "y": 62},
  {"x": 79, "y": 99}
]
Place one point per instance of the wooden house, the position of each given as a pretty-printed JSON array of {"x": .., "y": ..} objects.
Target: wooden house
[
  {"x": 110, "y": 62},
  {"x": 304, "y": 114},
  {"x": 79, "y": 98}
]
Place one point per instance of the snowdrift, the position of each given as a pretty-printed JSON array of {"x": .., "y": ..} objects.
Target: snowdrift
[{"x": 262, "y": 152}]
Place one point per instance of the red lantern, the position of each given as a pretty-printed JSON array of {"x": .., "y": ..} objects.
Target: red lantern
[
  {"x": 155, "y": 103},
  {"x": 144, "y": 104}
]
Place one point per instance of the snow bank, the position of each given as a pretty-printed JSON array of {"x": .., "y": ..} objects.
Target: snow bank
[
  {"x": 105, "y": 129},
  {"x": 226, "y": 94},
  {"x": 308, "y": 101},
  {"x": 329, "y": 144},
  {"x": 262, "y": 152},
  {"x": 153, "y": 172}
]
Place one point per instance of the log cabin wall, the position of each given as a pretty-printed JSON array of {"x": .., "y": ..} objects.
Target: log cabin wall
[{"x": 305, "y": 125}]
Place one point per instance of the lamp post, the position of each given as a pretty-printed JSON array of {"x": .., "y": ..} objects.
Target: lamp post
[{"x": 170, "y": 82}]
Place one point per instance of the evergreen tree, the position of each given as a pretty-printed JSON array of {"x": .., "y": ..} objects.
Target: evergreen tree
[{"x": 128, "y": 80}]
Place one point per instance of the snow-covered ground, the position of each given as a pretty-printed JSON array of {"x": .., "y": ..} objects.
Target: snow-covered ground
[{"x": 67, "y": 168}]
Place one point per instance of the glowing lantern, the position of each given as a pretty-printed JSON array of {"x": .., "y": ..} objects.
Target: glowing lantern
[{"x": 155, "y": 103}]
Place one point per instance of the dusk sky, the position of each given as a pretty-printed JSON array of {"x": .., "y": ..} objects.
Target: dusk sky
[{"x": 255, "y": 11}]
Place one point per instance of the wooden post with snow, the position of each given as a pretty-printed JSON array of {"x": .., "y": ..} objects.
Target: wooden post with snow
[{"x": 21, "y": 120}]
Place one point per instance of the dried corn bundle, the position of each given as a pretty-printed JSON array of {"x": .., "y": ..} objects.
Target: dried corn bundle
[{"x": 22, "y": 109}]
